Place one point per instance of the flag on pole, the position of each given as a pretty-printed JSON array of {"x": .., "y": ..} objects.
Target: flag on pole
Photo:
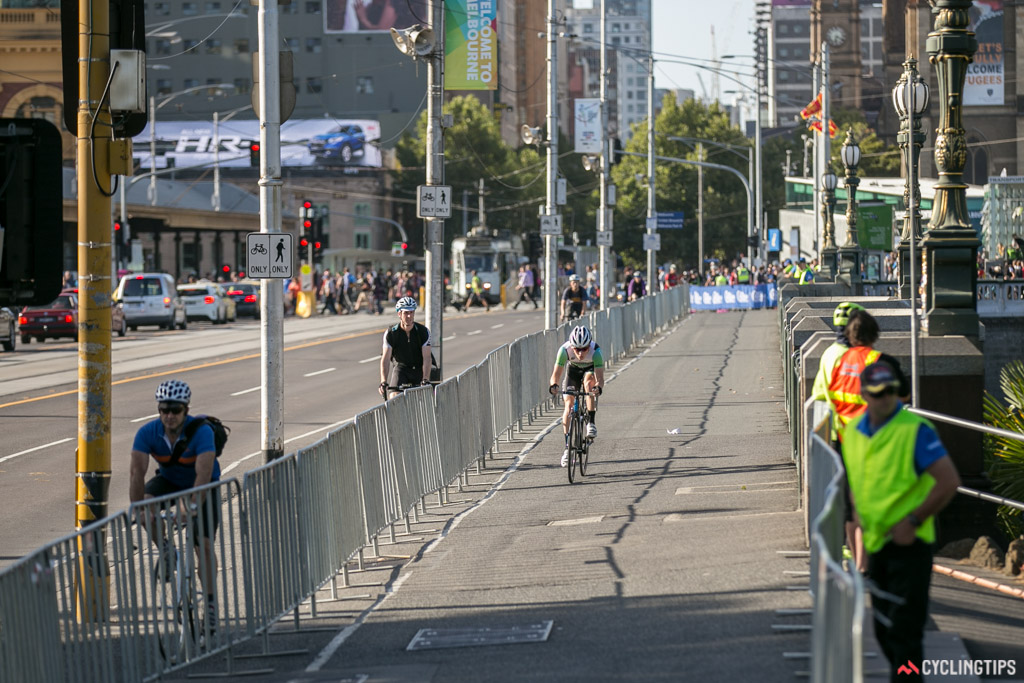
[
  {"x": 812, "y": 109},
  {"x": 815, "y": 124}
]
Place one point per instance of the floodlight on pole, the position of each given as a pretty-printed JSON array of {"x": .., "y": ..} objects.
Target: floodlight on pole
[
  {"x": 415, "y": 41},
  {"x": 591, "y": 162}
]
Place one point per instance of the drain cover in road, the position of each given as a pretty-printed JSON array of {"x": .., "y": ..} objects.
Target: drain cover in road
[{"x": 440, "y": 638}]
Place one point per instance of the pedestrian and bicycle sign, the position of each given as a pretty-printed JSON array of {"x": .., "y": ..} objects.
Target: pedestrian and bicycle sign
[
  {"x": 551, "y": 224},
  {"x": 434, "y": 201},
  {"x": 268, "y": 255},
  {"x": 604, "y": 238},
  {"x": 652, "y": 241}
]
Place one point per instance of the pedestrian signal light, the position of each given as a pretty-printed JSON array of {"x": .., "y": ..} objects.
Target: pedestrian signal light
[
  {"x": 226, "y": 268},
  {"x": 254, "y": 154},
  {"x": 405, "y": 245},
  {"x": 316, "y": 245}
]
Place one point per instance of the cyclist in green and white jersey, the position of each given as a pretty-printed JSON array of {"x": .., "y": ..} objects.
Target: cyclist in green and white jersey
[{"x": 586, "y": 369}]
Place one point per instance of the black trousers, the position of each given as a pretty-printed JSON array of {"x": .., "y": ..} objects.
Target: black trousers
[{"x": 906, "y": 571}]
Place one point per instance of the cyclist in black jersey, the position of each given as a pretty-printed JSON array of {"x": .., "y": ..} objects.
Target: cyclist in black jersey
[
  {"x": 585, "y": 362},
  {"x": 573, "y": 299},
  {"x": 408, "y": 345}
]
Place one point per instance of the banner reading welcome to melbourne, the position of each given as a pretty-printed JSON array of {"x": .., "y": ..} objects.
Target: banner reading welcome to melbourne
[
  {"x": 471, "y": 45},
  {"x": 984, "y": 82}
]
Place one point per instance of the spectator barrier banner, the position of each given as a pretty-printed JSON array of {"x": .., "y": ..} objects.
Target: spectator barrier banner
[{"x": 735, "y": 296}]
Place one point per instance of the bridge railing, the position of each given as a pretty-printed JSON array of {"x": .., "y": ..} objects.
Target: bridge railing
[{"x": 94, "y": 606}]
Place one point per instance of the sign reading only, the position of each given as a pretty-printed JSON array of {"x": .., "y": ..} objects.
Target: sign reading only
[
  {"x": 434, "y": 201},
  {"x": 268, "y": 255}
]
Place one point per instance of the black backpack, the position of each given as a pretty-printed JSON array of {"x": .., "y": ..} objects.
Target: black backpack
[{"x": 220, "y": 435}]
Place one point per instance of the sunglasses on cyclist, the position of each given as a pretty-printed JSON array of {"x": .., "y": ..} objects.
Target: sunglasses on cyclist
[{"x": 171, "y": 409}]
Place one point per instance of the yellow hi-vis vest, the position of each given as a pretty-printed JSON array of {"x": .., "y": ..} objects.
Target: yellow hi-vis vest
[
  {"x": 721, "y": 280},
  {"x": 742, "y": 276},
  {"x": 885, "y": 486},
  {"x": 829, "y": 360}
]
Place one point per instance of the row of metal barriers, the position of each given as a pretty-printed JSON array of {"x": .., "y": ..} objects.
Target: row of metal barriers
[{"x": 126, "y": 599}]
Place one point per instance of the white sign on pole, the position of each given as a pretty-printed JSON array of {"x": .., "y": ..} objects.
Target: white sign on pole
[
  {"x": 588, "y": 126},
  {"x": 551, "y": 225},
  {"x": 560, "y": 191},
  {"x": 268, "y": 255},
  {"x": 434, "y": 201},
  {"x": 604, "y": 238},
  {"x": 652, "y": 223},
  {"x": 652, "y": 242}
]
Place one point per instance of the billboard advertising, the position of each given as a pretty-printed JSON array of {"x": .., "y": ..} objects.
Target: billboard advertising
[
  {"x": 310, "y": 142},
  {"x": 985, "y": 73},
  {"x": 470, "y": 45},
  {"x": 358, "y": 16}
]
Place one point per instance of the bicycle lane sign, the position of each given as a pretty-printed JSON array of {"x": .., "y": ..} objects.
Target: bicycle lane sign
[{"x": 268, "y": 255}]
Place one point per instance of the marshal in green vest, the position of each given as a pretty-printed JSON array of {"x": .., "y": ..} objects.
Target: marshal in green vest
[{"x": 885, "y": 486}]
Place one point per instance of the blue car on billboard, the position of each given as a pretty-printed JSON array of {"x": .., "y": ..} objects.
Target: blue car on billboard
[{"x": 339, "y": 145}]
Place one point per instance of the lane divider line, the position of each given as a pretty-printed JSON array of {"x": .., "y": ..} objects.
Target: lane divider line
[
  {"x": 246, "y": 391},
  {"x": 470, "y": 334},
  {"x": 370, "y": 360},
  {"x": 12, "y": 456},
  {"x": 448, "y": 338},
  {"x": 146, "y": 418},
  {"x": 319, "y": 372},
  {"x": 494, "y": 327},
  {"x": 294, "y": 438}
]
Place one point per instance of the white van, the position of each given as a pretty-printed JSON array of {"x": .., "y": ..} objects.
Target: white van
[{"x": 151, "y": 299}]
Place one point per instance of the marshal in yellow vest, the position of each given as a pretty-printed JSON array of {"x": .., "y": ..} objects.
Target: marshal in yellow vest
[{"x": 885, "y": 486}]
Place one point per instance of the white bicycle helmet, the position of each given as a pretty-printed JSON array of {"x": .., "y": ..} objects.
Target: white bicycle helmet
[
  {"x": 406, "y": 303},
  {"x": 173, "y": 391},
  {"x": 580, "y": 337},
  {"x": 574, "y": 278}
]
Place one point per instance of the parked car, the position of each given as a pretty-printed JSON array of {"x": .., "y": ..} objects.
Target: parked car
[
  {"x": 246, "y": 296},
  {"x": 8, "y": 324},
  {"x": 57, "y": 319},
  {"x": 118, "y": 324},
  {"x": 340, "y": 144},
  {"x": 151, "y": 299},
  {"x": 207, "y": 301}
]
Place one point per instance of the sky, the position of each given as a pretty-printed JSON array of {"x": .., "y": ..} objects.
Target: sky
[{"x": 684, "y": 28}]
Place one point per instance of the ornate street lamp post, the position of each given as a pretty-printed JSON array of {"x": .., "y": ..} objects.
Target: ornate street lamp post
[
  {"x": 910, "y": 97},
  {"x": 828, "y": 203},
  {"x": 951, "y": 246},
  {"x": 850, "y": 252}
]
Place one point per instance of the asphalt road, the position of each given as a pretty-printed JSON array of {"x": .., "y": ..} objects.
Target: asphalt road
[{"x": 331, "y": 374}]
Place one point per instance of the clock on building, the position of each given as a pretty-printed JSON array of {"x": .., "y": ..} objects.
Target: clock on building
[{"x": 835, "y": 35}]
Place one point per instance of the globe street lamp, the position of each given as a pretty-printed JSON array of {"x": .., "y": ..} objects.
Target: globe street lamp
[
  {"x": 910, "y": 98},
  {"x": 850, "y": 252},
  {"x": 828, "y": 204},
  {"x": 951, "y": 246}
]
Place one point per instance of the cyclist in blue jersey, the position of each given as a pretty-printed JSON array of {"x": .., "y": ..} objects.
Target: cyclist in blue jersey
[
  {"x": 586, "y": 369},
  {"x": 182, "y": 463}
]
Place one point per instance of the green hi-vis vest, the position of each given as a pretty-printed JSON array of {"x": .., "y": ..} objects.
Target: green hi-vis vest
[
  {"x": 806, "y": 277},
  {"x": 721, "y": 280},
  {"x": 742, "y": 276},
  {"x": 885, "y": 486}
]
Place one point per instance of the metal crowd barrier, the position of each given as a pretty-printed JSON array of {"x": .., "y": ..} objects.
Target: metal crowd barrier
[{"x": 93, "y": 606}]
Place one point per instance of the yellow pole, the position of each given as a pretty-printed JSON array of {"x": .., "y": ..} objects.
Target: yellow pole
[{"x": 94, "y": 290}]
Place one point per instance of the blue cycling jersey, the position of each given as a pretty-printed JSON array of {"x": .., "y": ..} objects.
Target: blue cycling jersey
[{"x": 152, "y": 440}]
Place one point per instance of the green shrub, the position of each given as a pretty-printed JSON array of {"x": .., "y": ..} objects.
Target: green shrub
[{"x": 1004, "y": 456}]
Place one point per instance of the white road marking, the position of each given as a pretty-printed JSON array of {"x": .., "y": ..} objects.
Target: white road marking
[
  {"x": 246, "y": 391},
  {"x": 147, "y": 418},
  {"x": 470, "y": 334},
  {"x": 319, "y": 372},
  {"x": 494, "y": 327},
  {"x": 447, "y": 338},
  {"x": 370, "y": 360},
  {"x": 12, "y": 456},
  {"x": 300, "y": 436},
  {"x": 574, "y": 522}
]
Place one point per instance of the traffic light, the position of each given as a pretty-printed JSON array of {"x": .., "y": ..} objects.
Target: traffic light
[
  {"x": 303, "y": 249},
  {"x": 753, "y": 241},
  {"x": 254, "y": 154},
  {"x": 226, "y": 269}
]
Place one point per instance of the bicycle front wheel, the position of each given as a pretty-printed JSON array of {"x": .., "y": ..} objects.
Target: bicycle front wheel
[
  {"x": 574, "y": 440},
  {"x": 584, "y": 454}
]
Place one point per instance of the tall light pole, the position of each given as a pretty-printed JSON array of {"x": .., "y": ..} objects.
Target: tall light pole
[
  {"x": 435, "y": 176},
  {"x": 652, "y": 216},
  {"x": 951, "y": 245},
  {"x": 271, "y": 294},
  {"x": 550, "y": 207},
  {"x": 603, "y": 219},
  {"x": 850, "y": 253}
]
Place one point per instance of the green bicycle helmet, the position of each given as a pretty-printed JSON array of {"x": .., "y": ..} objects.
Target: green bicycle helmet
[{"x": 841, "y": 316}]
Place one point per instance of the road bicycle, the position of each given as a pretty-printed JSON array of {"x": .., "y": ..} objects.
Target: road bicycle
[
  {"x": 578, "y": 444},
  {"x": 184, "y": 631}
]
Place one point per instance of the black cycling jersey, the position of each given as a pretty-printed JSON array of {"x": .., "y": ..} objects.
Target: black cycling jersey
[
  {"x": 407, "y": 348},
  {"x": 575, "y": 299}
]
